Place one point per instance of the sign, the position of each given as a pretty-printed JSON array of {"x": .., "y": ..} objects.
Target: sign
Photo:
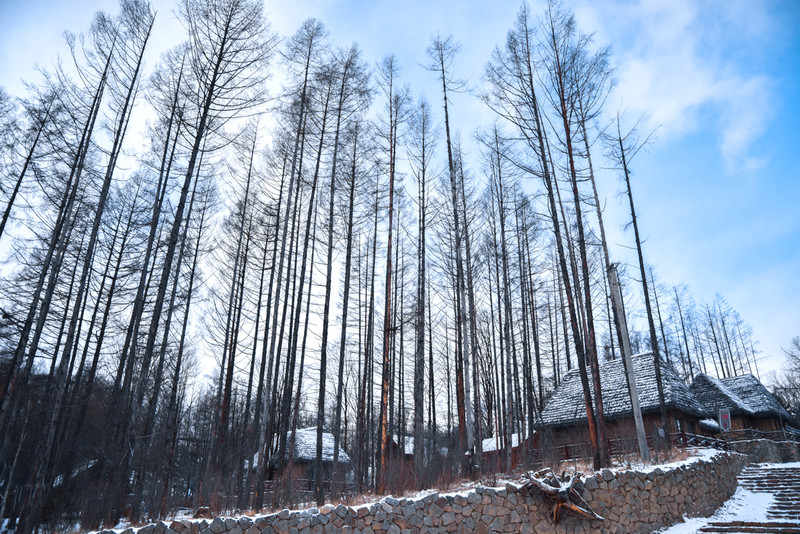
[{"x": 725, "y": 419}]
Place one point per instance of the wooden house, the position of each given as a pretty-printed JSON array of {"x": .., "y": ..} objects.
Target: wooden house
[
  {"x": 301, "y": 466},
  {"x": 751, "y": 406},
  {"x": 494, "y": 451},
  {"x": 563, "y": 420}
]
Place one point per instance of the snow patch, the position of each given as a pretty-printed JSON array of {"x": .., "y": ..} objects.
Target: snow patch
[{"x": 744, "y": 505}]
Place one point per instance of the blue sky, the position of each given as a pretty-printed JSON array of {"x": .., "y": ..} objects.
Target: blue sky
[{"x": 717, "y": 190}]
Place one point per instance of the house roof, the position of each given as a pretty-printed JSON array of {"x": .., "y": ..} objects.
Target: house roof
[
  {"x": 716, "y": 395},
  {"x": 408, "y": 445},
  {"x": 305, "y": 446},
  {"x": 760, "y": 401},
  {"x": 491, "y": 444},
  {"x": 566, "y": 406}
]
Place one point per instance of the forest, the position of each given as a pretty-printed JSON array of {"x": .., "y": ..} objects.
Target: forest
[{"x": 294, "y": 239}]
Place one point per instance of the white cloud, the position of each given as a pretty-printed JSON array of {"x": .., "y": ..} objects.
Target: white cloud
[{"x": 675, "y": 67}]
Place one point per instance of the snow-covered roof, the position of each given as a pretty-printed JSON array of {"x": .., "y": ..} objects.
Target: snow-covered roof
[
  {"x": 566, "y": 406},
  {"x": 739, "y": 394},
  {"x": 305, "y": 446},
  {"x": 491, "y": 444},
  {"x": 757, "y": 397},
  {"x": 710, "y": 424},
  {"x": 408, "y": 445},
  {"x": 716, "y": 395}
]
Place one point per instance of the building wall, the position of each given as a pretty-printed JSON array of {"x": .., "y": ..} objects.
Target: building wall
[{"x": 566, "y": 441}]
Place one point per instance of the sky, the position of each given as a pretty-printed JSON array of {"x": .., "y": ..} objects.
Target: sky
[{"x": 717, "y": 188}]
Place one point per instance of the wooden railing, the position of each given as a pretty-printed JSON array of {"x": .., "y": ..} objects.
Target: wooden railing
[{"x": 620, "y": 447}]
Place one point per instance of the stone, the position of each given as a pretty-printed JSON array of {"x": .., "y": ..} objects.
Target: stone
[
  {"x": 497, "y": 525},
  {"x": 590, "y": 483},
  {"x": 217, "y": 526},
  {"x": 447, "y": 518},
  {"x": 391, "y": 501}
]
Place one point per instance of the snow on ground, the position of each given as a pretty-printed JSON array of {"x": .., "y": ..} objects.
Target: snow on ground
[
  {"x": 744, "y": 505},
  {"x": 633, "y": 463}
]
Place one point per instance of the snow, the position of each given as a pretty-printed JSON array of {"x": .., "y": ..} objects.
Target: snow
[
  {"x": 305, "y": 446},
  {"x": 758, "y": 398},
  {"x": 744, "y": 505},
  {"x": 715, "y": 394},
  {"x": 740, "y": 394},
  {"x": 710, "y": 424},
  {"x": 698, "y": 454},
  {"x": 408, "y": 445},
  {"x": 490, "y": 444}
]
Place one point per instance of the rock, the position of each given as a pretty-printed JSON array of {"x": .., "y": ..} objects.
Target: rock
[
  {"x": 497, "y": 525},
  {"x": 217, "y": 526},
  {"x": 590, "y": 483}
]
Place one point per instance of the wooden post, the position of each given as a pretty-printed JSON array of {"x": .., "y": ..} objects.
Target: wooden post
[{"x": 622, "y": 328}]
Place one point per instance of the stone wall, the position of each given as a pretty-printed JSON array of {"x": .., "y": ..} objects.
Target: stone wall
[
  {"x": 765, "y": 450},
  {"x": 630, "y": 501}
]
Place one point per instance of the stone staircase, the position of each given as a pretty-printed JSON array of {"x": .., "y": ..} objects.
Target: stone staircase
[{"x": 783, "y": 515}]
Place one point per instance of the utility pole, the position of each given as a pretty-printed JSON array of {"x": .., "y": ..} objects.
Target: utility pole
[{"x": 624, "y": 341}]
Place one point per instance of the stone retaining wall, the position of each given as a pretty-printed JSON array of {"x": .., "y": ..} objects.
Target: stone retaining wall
[
  {"x": 765, "y": 450},
  {"x": 630, "y": 501}
]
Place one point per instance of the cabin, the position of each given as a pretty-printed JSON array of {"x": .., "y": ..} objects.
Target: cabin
[
  {"x": 305, "y": 454},
  {"x": 564, "y": 429},
  {"x": 751, "y": 405},
  {"x": 402, "y": 447},
  {"x": 494, "y": 452}
]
